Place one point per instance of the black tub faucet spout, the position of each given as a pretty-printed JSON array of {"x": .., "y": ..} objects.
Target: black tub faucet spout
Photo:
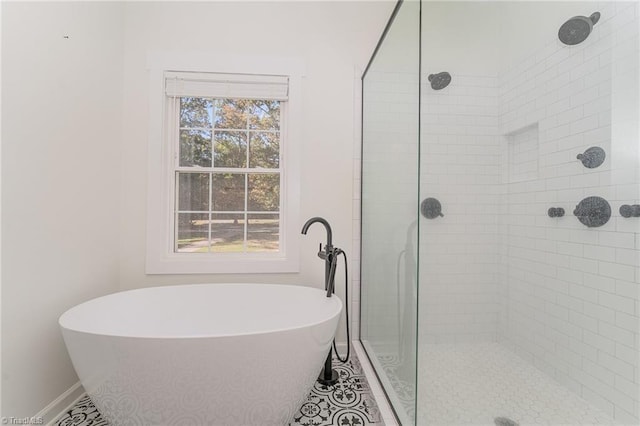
[
  {"x": 321, "y": 220},
  {"x": 327, "y": 254},
  {"x": 328, "y": 376}
]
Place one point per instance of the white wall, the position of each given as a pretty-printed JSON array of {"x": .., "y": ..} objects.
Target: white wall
[
  {"x": 462, "y": 150},
  {"x": 564, "y": 296},
  {"x": 334, "y": 39},
  {"x": 455, "y": 36},
  {"x": 460, "y": 166},
  {"x": 499, "y": 147},
  {"x": 75, "y": 151},
  {"x": 572, "y": 291},
  {"x": 61, "y": 124}
]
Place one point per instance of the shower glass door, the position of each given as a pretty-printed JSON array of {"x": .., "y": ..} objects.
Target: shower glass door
[{"x": 390, "y": 177}]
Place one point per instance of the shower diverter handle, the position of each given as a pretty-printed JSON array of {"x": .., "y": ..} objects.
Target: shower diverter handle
[{"x": 431, "y": 208}]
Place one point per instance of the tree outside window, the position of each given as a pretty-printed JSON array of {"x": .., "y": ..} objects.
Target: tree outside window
[{"x": 228, "y": 176}]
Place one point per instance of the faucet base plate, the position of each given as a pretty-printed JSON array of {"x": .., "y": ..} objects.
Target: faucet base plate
[{"x": 328, "y": 381}]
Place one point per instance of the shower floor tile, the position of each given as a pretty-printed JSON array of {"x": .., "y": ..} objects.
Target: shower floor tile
[
  {"x": 347, "y": 403},
  {"x": 477, "y": 383}
]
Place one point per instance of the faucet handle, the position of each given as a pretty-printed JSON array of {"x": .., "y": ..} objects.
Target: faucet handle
[{"x": 321, "y": 253}]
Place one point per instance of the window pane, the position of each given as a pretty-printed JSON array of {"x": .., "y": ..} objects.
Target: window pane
[
  {"x": 230, "y": 149},
  {"x": 196, "y": 112},
  {"x": 227, "y": 233},
  {"x": 263, "y": 232},
  {"x": 264, "y": 192},
  {"x": 264, "y": 115},
  {"x": 228, "y": 192},
  {"x": 193, "y": 232},
  {"x": 231, "y": 113},
  {"x": 264, "y": 150},
  {"x": 195, "y": 148},
  {"x": 193, "y": 191}
]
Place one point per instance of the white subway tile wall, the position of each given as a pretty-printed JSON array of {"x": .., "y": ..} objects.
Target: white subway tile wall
[
  {"x": 571, "y": 292},
  {"x": 498, "y": 151},
  {"x": 391, "y": 168},
  {"x": 461, "y": 166}
]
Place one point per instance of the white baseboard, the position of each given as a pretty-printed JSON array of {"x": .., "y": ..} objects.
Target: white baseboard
[{"x": 61, "y": 404}]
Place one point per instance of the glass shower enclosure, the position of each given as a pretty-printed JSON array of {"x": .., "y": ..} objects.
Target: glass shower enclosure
[
  {"x": 500, "y": 216},
  {"x": 390, "y": 188}
]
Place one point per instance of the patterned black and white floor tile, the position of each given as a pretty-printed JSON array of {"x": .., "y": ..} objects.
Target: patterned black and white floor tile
[
  {"x": 83, "y": 413},
  {"x": 404, "y": 389},
  {"x": 347, "y": 403}
]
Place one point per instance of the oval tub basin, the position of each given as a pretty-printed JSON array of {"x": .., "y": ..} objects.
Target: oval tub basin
[{"x": 205, "y": 354}]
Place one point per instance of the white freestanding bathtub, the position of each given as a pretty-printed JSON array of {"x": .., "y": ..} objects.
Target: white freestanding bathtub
[{"x": 206, "y": 354}]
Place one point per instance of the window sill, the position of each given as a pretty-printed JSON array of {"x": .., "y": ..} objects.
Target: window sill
[{"x": 231, "y": 264}]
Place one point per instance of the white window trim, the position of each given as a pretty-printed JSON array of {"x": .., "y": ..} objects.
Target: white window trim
[{"x": 161, "y": 258}]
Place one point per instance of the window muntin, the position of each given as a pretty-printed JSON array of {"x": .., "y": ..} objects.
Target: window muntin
[{"x": 228, "y": 176}]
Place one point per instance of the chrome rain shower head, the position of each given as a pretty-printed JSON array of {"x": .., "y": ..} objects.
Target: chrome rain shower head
[
  {"x": 577, "y": 29},
  {"x": 439, "y": 81}
]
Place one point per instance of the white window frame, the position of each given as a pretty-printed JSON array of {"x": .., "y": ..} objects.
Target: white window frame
[{"x": 161, "y": 257}]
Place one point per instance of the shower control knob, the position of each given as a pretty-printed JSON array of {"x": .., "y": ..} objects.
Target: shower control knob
[
  {"x": 593, "y": 211},
  {"x": 439, "y": 81},
  {"x": 592, "y": 157},
  {"x": 555, "y": 212},
  {"x": 627, "y": 210},
  {"x": 431, "y": 208}
]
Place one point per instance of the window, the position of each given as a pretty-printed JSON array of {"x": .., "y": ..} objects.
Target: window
[
  {"x": 227, "y": 175},
  {"x": 223, "y": 175}
]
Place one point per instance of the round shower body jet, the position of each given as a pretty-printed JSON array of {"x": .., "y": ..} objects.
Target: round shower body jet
[
  {"x": 439, "y": 81},
  {"x": 577, "y": 29}
]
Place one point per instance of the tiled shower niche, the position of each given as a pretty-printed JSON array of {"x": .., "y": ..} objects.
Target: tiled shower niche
[{"x": 523, "y": 154}]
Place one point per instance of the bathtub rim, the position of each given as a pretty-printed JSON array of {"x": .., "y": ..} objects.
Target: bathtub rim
[{"x": 336, "y": 312}]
